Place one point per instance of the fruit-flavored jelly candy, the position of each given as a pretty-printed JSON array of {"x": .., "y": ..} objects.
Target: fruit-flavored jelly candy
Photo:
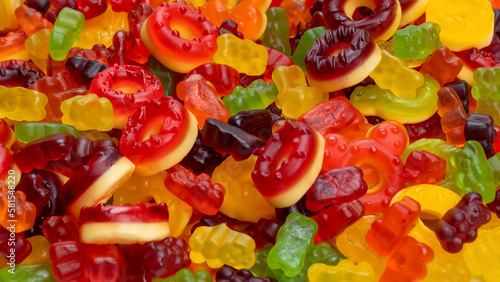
[
  {"x": 32, "y": 185},
  {"x": 481, "y": 128},
  {"x": 40, "y": 5},
  {"x": 463, "y": 90},
  {"x": 102, "y": 262},
  {"x": 29, "y": 132},
  {"x": 258, "y": 95},
  {"x": 336, "y": 218},
  {"x": 277, "y": 33},
  {"x": 201, "y": 158},
  {"x": 18, "y": 76},
  {"x": 335, "y": 187},
  {"x": 227, "y": 139},
  {"x": 164, "y": 258},
  {"x": 459, "y": 225},
  {"x": 52, "y": 15},
  {"x": 68, "y": 261},
  {"x": 184, "y": 274},
  {"x": 416, "y": 42},
  {"x": 33, "y": 272},
  {"x": 88, "y": 112},
  {"x": 453, "y": 115},
  {"x": 5, "y": 165},
  {"x": 298, "y": 15},
  {"x": 23, "y": 213},
  {"x": 223, "y": 77},
  {"x": 201, "y": 99},
  {"x": 424, "y": 167},
  {"x": 305, "y": 43},
  {"x": 67, "y": 28},
  {"x": 40, "y": 250},
  {"x": 227, "y": 273},
  {"x": 393, "y": 74},
  {"x": 61, "y": 228},
  {"x": 443, "y": 65},
  {"x": 12, "y": 46},
  {"x": 31, "y": 20},
  {"x": 133, "y": 268},
  {"x": 255, "y": 122},
  {"x": 38, "y": 153},
  {"x": 196, "y": 190},
  {"x": 7, "y": 137},
  {"x": 22, "y": 247},
  {"x": 22, "y": 104},
  {"x": 229, "y": 26},
  {"x": 220, "y": 245},
  {"x": 242, "y": 201},
  {"x": 294, "y": 240},
  {"x": 396, "y": 222},
  {"x": 495, "y": 205},
  {"x": 165, "y": 75},
  {"x": 84, "y": 70},
  {"x": 136, "y": 49},
  {"x": 430, "y": 128},
  {"x": 482, "y": 256},
  {"x": 487, "y": 92},
  {"x": 474, "y": 172},
  {"x": 91, "y": 8},
  {"x": 345, "y": 270},
  {"x": 265, "y": 231}
]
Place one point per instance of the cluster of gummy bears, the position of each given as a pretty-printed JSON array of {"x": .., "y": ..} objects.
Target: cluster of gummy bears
[{"x": 252, "y": 140}]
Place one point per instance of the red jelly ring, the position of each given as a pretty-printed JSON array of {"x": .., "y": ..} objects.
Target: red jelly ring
[
  {"x": 127, "y": 87},
  {"x": 289, "y": 164},
  {"x": 180, "y": 37},
  {"x": 124, "y": 224},
  {"x": 159, "y": 135},
  {"x": 358, "y": 55},
  {"x": 381, "y": 24}
]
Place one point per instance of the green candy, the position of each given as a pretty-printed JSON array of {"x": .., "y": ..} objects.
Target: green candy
[
  {"x": 305, "y": 43},
  {"x": 434, "y": 146},
  {"x": 29, "y": 132},
  {"x": 28, "y": 272},
  {"x": 416, "y": 42},
  {"x": 295, "y": 238},
  {"x": 487, "y": 92},
  {"x": 164, "y": 74},
  {"x": 258, "y": 95},
  {"x": 474, "y": 171},
  {"x": 277, "y": 33},
  {"x": 66, "y": 32},
  {"x": 494, "y": 163},
  {"x": 184, "y": 275}
]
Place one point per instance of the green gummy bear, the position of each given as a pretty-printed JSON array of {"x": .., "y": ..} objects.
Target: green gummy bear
[
  {"x": 66, "y": 32},
  {"x": 184, "y": 275},
  {"x": 487, "y": 92},
  {"x": 305, "y": 43},
  {"x": 28, "y": 272},
  {"x": 494, "y": 163},
  {"x": 29, "y": 132},
  {"x": 295, "y": 238},
  {"x": 416, "y": 42},
  {"x": 474, "y": 171},
  {"x": 277, "y": 33},
  {"x": 258, "y": 95},
  {"x": 164, "y": 74}
]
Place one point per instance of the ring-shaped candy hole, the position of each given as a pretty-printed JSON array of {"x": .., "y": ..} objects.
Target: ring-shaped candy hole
[
  {"x": 185, "y": 28},
  {"x": 429, "y": 219},
  {"x": 127, "y": 86},
  {"x": 338, "y": 48},
  {"x": 284, "y": 155},
  {"x": 357, "y": 9},
  {"x": 152, "y": 128},
  {"x": 372, "y": 177}
]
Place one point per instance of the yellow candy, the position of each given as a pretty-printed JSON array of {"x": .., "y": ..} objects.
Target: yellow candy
[
  {"x": 7, "y": 16},
  {"x": 483, "y": 255},
  {"x": 40, "y": 250},
  {"x": 88, "y": 112},
  {"x": 18, "y": 103},
  {"x": 37, "y": 46},
  {"x": 344, "y": 271}
]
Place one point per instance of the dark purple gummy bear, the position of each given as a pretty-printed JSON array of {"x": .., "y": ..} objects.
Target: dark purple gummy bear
[
  {"x": 229, "y": 26},
  {"x": 462, "y": 89},
  {"x": 84, "y": 70},
  {"x": 32, "y": 185},
  {"x": 481, "y": 128},
  {"x": 255, "y": 122},
  {"x": 495, "y": 205},
  {"x": 265, "y": 231},
  {"x": 22, "y": 247},
  {"x": 201, "y": 158},
  {"x": 164, "y": 258},
  {"x": 41, "y": 6},
  {"x": 229, "y": 274},
  {"x": 133, "y": 266},
  {"x": 430, "y": 128}
]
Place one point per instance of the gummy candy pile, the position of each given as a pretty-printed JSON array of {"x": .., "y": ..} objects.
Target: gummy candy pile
[{"x": 252, "y": 140}]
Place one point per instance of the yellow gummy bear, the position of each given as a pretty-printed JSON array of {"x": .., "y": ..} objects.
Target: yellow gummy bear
[
  {"x": 344, "y": 271},
  {"x": 483, "y": 255},
  {"x": 18, "y": 103},
  {"x": 88, "y": 112},
  {"x": 37, "y": 46},
  {"x": 102, "y": 28}
]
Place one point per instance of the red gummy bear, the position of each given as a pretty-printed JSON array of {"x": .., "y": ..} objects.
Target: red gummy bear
[
  {"x": 164, "y": 258},
  {"x": 424, "y": 167},
  {"x": 443, "y": 65},
  {"x": 68, "y": 262}
]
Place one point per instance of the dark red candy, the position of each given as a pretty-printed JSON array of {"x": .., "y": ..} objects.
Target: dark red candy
[
  {"x": 274, "y": 60},
  {"x": 336, "y": 218},
  {"x": 61, "y": 228},
  {"x": 51, "y": 15},
  {"x": 265, "y": 231},
  {"x": 133, "y": 268},
  {"x": 459, "y": 225},
  {"x": 92, "y": 8},
  {"x": 213, "y": 220},
  {"x": 481, "y": 127},
  {"x": 22, "y": 247},
  {"x": 68, "y": 261},
  {"x": 40, "y": 5},
  {"x": 223, "y": 77},
  {"x": 255, "y": 122},
  {"x": 138, "y": 52},
  {"x": 230, "y": 274},
  {"x": 104, "y": 262},
  {"x": 424, "y": 167},
  {"x": 164, "y": 258},
  {"x": 118, "y": 51},
  {"x": 430, "y": 128},
  {"x": 201, "y": 158},
  {"x": 227, "y": 139},
  {"x": 18, "y": 76},
  {"x": 124, "y": 5},
  {"x": 229, "y": 26},
  {"x": 462, "y": 89},
  {"x": 32, "y": 185},
  {"x": 495, "y": 205},
  {"x": 335, "y": 187},
  {"x": 84, "y": 70},
  {"x": 300, "y": 207},
  {"x": 38, "y": 153}
]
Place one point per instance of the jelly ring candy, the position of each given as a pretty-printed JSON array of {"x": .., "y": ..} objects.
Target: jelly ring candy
[
  {"x": 434, "y": 201},
  {"x": 159, "y": 135},
  {"x": 472, "y": 20},
  {"x": 127, "y": 87},
  {"x": 289, "y": 164},
  {"x": 96, "y": 181},
  {"x": 341, "y": 58},
  {"x": 124, "y": 224},
  {"x": 411, "y": 10},
  {"x": 381, "y": 24},
  {"x": 180, "y": 37},
  {"x": 382, "y": 168}
]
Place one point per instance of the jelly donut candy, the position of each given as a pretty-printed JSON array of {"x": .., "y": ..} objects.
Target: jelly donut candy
[
  {"x": 180, "y": 37},
  {"x": 96, "y": 181},
  {"x": 381, "y": 24},
  {"x": 124, "y": 224},
  {"x": 289, "y": 164},
  {"x": 341, "y": 58},
  {"x": 159, "y": 135},
  {"x": 127, "y": 87}
]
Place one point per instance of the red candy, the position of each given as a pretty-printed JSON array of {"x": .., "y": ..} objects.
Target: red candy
[{"x": 423, "y": 167}]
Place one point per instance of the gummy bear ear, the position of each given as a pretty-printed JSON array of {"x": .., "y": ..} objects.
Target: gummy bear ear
[{"x": 391, "y": 134}]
